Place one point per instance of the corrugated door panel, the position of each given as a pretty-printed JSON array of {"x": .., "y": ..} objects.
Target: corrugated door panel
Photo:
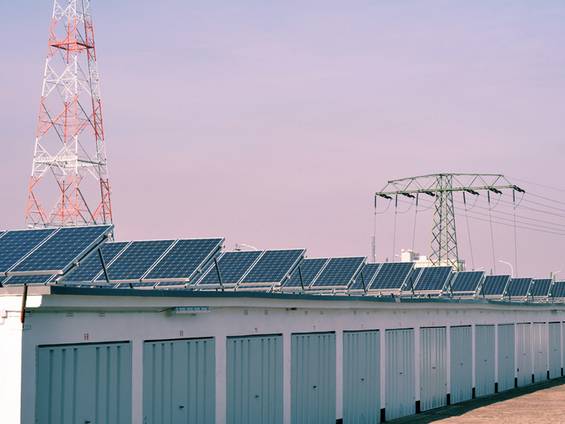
[
  {"x": 400, "y": 374},
  {"x": 179, "y": 381},
  {"x": 484, "y": 357},
  {"x": 461, "y": 364},
  {"x": 361, "y": 377},
  {"x": 255, "y": 379},
  {"x": 84, "y": 383},
  {"x": 524, "y": 353},
  {"x": 506, "y": 362},
  {"x": 554, "y": 349},
  {"x": 313, "y": 378},
  {"x": 539, "y": 338},
  {"x": 433, "y": 368}
]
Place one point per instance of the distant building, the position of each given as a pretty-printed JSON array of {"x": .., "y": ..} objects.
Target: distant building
[{"x": 422, "y": 261}]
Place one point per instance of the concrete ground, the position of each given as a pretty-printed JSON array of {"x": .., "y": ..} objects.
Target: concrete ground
[{"x": 541, "y": 403}]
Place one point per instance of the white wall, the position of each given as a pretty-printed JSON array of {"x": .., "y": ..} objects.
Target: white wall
[{"x": 60, "y": 319}]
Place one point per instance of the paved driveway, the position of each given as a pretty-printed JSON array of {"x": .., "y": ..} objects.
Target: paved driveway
[{"x": 543, "y": 403}]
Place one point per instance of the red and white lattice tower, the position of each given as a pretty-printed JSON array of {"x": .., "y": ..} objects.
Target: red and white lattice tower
[{"x": 69, "y": 180}]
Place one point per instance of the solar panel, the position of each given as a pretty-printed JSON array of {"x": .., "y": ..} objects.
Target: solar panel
[
  {"x": 518, "y": 287},
  {"x": 15, "y": 280},
  {"x": 339, "y": 272},
  {"x": 392, "y": 276},
  {"x": 15, "y": 245},
  {"x": 62, "y": 250},
  {"x": 558, "y": 289},
  {"x": 308, "y": 269},
  {"x": 184, "y": 260},
  {"x": 466, "y": 281},
  {"x": 365, "y": 277},
  {"x": 89, "y": 268},
  {"x": 273, "y": 267},
  {"x": 540, "y": 287},
  {"x": 433, "y": 278},
  {"x": 232, "y": 265},
  {"x": 494, "y": 285},
  {"x": 137, "y": 259}
]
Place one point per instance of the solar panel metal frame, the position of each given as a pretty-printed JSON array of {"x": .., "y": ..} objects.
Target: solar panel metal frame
[
  {"x": 496, "y": 295},
  {"x": 29, "y": 279},
  {"x": 466, "y": 292},
  {"x": 95, "y": 280},
  {"x": 306, "y": 286},
  {"x": 100, "y": 277},
  {"x": 334, "y": 288},
  {"x": 161, "y": 282},
  {"x": 212, "y": 268},
  {"x": 367, "y": 283},
  {"x": 76, "y": 259},
  {"x": 52, "y": 232},
  {"x": 242, "y": 285},
  {"x": 391, "y": 290}
]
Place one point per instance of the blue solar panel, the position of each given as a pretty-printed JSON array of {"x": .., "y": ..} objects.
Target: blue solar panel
[
  {"x": 558, "y": 289},
  {"x": 232, "y": 265},
  {"x": 90, "y": 267},
  {"x": 433, "y": 278},
  {"x": 137, "y": 259},
  {"x": 309, "y": 268},
  {"x": 494, "y": 285},
  {"x": 14, "y": 245},
  {"x": 540, "y": 287},
  {"x": 15, "y": 280},
  {"x": 339, "y": 272},
  {"x": 466, "y": 281},
  {"x": 63, "y": 249},
  {"x": 518, "y": 287},
  {"x": 391, "y": 276},
  {"x": 273, "y": 266},
  {"x": 184, "y": 260},
  {"x": 365, "y": 277}
]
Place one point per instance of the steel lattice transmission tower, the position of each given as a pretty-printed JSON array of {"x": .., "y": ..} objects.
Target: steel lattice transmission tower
[
  {"x": 69, "y": 181},
  {"x": 441, "y": 187}
]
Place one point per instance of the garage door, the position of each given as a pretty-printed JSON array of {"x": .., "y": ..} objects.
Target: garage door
[
  {"x": 84, "y": 383},
  {"x": 361, "y": 377},
  {"x": 313, "y": 370},
  {"x": 461, "y": 364},
  {"x": 400, "y": 374},
  {"x": 179, "y": 381},
  {"x": 255, "y": 379}
]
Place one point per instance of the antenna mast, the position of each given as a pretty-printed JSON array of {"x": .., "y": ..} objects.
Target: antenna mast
[{"x": 69, "y": 180}]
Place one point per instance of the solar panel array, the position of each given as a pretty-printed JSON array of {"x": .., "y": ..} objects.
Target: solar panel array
[
  {"x": 72, "y": 256},
  {"x": 306, "y": 272},
  {"x": 232, "y": 267},
  {"x": 339, "y": 273},
  {"x": 518, "y": 287},
  {"x": 466, "y": 281},
  {"x": 433, "y": 278},
  {"x": 540, "y": 287},
  {"x": 62, "y": 250},
  {"x": 184, "y": 260},
  {"x": 391, "y": 276},
  {"x": 272, "y": 268},
  {"x": 494, "y": 285}
]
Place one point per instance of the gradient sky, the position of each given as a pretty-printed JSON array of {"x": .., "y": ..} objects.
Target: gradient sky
[{"x": 272, "y": 123}]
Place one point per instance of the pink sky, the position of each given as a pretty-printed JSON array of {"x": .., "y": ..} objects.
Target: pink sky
[{"x": 272, "y": 123}]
